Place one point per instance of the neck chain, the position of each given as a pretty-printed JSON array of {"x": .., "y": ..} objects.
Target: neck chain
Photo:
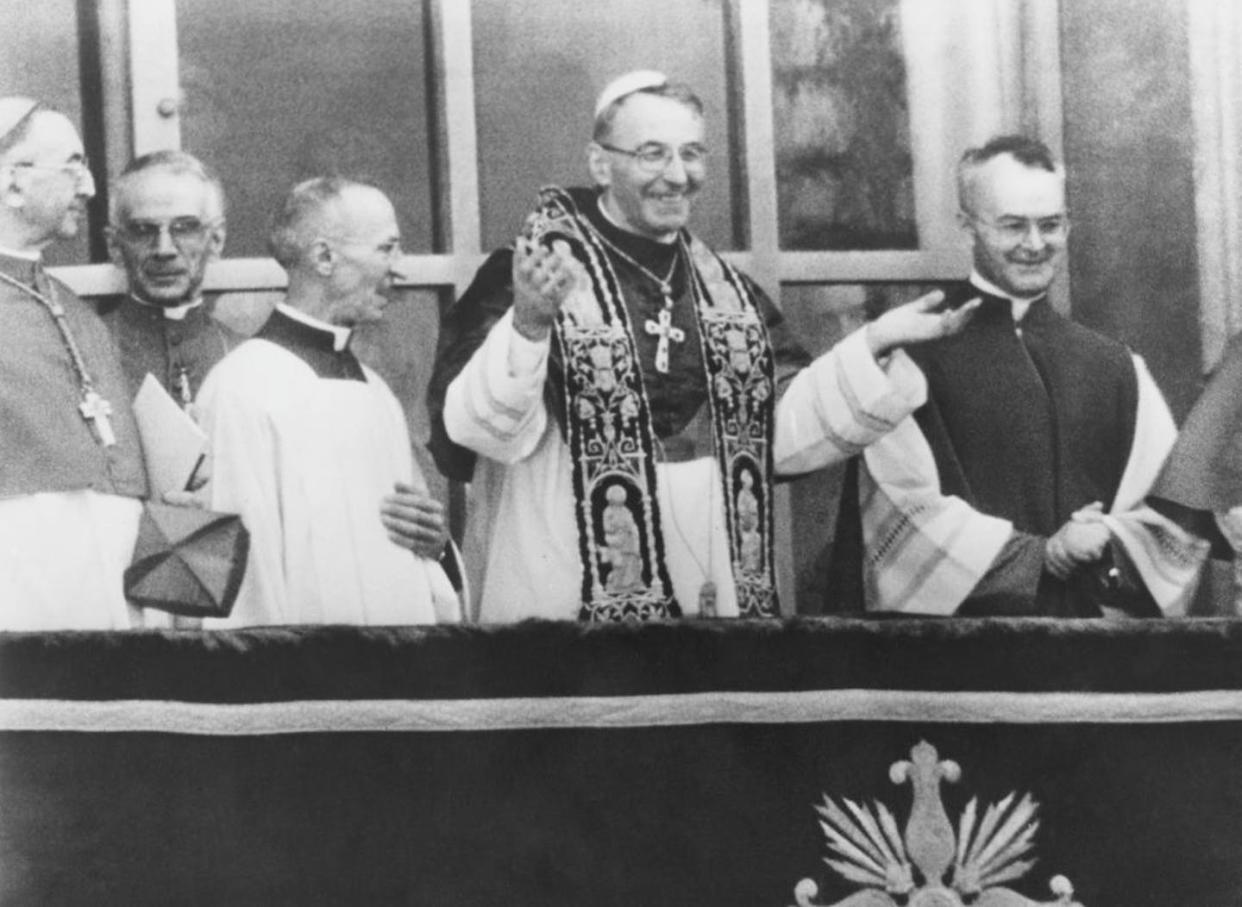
[
  {"x": 664, "y": 283},
  {"x": 94, "y": 408},
  {"x": 662, "y": 327}
]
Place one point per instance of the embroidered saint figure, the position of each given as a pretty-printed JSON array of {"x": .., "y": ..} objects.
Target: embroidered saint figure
[
  {"x": 621, "y": 544},
  {"x": 750, "y": 541}
]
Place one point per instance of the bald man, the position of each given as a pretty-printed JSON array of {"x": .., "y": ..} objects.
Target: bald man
[
  {"x": 311, "y": 446},
  {"x": 71, "y": 471}
]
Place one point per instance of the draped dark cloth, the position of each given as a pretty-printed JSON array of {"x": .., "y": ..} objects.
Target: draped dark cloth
[
  {"x": 314, "y": 346},
  {"x": 1203, "y": 473},
  {"x": 167, "y": 348},
  {"x": 1028, "y": 423},
  {"x": 696, "y": 811}
]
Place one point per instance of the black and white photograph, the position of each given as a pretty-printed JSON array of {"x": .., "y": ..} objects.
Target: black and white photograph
[{"x": 764, "y": 453}]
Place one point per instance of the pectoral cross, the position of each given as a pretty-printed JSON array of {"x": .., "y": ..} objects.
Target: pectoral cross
[
  {"x": 97, "y": 410},
  {"x": 663, "y": 327}
]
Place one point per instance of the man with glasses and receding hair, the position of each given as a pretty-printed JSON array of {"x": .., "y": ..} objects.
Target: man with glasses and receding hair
[
  {"x": 1018, "y": 488},
  {"x": 167, "y": 226},
  {"x": 622, "y": 397},
  {"x": 311, "y": 447},
  {"x": 71, "y": 470}
]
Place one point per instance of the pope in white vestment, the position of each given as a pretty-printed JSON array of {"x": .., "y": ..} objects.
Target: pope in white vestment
[
  {"x": 612, "y": 361},
  {"x": 522, "y": 526}
]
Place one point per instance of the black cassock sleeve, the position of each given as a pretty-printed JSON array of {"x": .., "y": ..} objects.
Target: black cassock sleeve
[{"x": 462, "y": 331}]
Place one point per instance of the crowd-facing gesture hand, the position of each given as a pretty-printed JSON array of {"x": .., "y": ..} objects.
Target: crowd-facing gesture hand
[
  {"x": 542, "y": 279},
  {"x": 916, "y": 322}
]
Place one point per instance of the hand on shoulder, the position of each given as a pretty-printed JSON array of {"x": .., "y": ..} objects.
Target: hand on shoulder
[{"x": 917, "y": 322}]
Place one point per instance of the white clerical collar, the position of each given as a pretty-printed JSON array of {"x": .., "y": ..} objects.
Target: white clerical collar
[
  {"x": 172, "y": 313},
  {"x": 22, "y": 253},
  {"x": 340, "y": 334},
  {"x": 603, "y": 210},
  {"x": 1020, "y": 305}
]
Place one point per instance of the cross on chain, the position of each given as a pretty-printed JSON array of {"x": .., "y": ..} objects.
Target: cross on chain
[
  {"x": 97, "y": 410},
  {"x": 663, "y": 328},
  {"x": 93, "y": 407}
]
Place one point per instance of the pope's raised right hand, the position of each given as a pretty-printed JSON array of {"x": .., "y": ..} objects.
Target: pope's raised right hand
[{"x": 542, "y": 279}]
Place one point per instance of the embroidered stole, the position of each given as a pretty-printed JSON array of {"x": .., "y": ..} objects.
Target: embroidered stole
[{"x": 608, "y": 427}]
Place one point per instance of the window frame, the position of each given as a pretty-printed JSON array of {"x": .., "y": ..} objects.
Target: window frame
[{"x": 139, "y": 56}]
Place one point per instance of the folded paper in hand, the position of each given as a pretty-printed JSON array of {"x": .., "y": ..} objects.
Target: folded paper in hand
[{"x": 172, "y": 443}]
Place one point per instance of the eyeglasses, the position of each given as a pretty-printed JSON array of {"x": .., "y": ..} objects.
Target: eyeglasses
[
  {"x": 655, "y": 158},
  {"x": 183, "y": 231},
  {"x": 1014, "y": 230},
  {"x": 78, "y": 167}
]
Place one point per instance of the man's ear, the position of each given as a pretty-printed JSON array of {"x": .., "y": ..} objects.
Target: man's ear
[
  {"x": 114, "y": 246},
  {"x": 11, "y": 194},
  {"x": 599, "y": 166},
  {"x": 966, "y": 224},
  {"x": 323, "y": 257},
  {"x": 215, "y": 240}
]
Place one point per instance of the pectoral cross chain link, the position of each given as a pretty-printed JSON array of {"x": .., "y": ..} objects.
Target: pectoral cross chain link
[
  {"x": 94, "y": 408},
  {"x": 662, "y": 326}
]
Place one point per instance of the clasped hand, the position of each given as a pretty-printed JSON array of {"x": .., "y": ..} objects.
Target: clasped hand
[
  {"x": 1081, "y": 540},
  {"x": 414, "y": 520}
]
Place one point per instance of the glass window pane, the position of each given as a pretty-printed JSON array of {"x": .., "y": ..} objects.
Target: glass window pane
[
  {"x": 821, "y": 315},
  {"x": 280, "y": 91},
  {"x": 538, "y": 68},
  {"x": 844, "y": 165},
  {"x": 39, "y": 59}
]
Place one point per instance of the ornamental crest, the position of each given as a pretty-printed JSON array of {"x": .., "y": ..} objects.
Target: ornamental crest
[{"x": 930, "y": 865}]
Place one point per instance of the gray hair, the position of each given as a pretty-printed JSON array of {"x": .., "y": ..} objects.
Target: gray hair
[
  {"x": 300, "y": 219},
  {"x": 177, "y": 162},
  {"x": 1028, "y": 152}
]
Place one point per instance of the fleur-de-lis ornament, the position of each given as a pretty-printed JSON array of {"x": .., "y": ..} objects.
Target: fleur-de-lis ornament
[{"x": 930, "y": 866}]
